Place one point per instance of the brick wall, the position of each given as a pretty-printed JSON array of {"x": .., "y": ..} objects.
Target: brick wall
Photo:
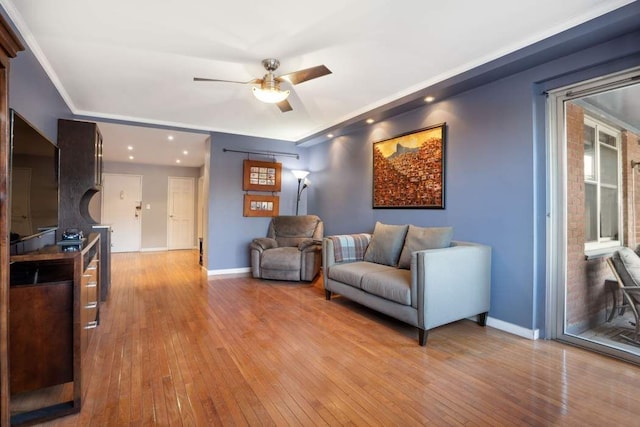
[
  {"x": 631, "y": 143},
  {"x": 586, "y": 298}
]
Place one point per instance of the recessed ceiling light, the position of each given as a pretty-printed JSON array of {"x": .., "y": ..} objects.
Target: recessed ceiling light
[
  {"x": 429, "y": 99},
  {"x": 185, "y": 152},
  {"x": 177, "y": 160},
  {"x": 370, "y": 121},
  {"x": 130, "y": 157},
  {"x": 129, "y": 148},
  {"x": 329, "y": 135},
  {"x": 170, "y": 137}
]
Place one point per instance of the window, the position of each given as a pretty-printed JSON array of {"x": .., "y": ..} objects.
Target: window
[{"x": 602, "y": 185}]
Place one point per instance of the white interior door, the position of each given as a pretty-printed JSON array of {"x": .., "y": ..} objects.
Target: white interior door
[
  {"x": 200, "y": 212},
  {"x": 121, "y": 204},
  {"x": 181, "y": 219}
]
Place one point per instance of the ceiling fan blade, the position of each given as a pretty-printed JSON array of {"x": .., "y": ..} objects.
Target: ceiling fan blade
[
  {"x": 306, "y": 74},
  {"x": 201, "y": 79},
  {"x": 284, "y": 106}
]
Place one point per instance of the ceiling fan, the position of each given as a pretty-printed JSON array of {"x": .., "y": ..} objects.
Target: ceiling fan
[{"x": 269, "y": 90}]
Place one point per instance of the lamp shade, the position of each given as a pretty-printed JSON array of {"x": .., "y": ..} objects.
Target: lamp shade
[
  {"x": 270, "y": 95},
  {"x": 300, "y": 174}
]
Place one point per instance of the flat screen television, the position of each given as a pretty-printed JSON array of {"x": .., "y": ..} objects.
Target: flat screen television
[{"x": 34, "y": 178}]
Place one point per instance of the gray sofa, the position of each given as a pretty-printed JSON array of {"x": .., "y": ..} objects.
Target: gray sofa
[
  {"x": 414, "y": 274},
  {"x": 291, "y": 251}
]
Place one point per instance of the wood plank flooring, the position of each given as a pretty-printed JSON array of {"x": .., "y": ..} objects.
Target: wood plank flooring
[{"x": 175, "y": 349}]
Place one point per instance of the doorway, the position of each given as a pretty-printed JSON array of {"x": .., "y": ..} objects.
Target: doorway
[
  {"x": 121, "y": 205},
  {"x": 594, "y": 136},
  {"x": 181, "y": 220}
]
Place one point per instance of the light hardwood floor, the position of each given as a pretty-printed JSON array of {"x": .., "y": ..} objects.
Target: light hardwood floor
[{"x": 175, "y": 349}]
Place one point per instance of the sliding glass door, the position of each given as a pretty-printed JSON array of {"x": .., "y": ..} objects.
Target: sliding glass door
[{"x": 594, "y": 147}]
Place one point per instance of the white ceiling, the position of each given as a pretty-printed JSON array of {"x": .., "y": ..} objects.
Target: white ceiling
[
  {"x": 151, "y": 146},
  {"x": 135, "y": 60}
]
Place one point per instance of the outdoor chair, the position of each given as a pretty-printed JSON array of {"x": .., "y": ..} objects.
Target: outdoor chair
[{"x": 625, "y": 265}]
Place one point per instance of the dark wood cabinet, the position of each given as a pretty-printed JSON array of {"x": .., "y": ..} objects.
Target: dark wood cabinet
[
  {"x": 10, "y": 45},
  {"x": 55, "y": 307},
  {"x": 80, "y": 173},
  {"x": 80, "y": 145},
  {"x": 41, "y": 323},
  {"x": 105, "y": 259}
]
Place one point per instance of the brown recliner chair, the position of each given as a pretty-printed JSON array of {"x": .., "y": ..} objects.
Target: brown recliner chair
[{"x": 291, "y": 251}]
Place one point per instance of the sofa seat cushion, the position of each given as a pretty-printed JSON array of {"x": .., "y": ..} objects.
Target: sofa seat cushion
[
  {"x": 393, "y": 284},
  {"x": 351, "y": 273},
  {"x": 287, "y": 258}
]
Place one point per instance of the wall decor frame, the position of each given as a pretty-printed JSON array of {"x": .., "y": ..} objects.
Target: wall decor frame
[
  {"x": 408, "y": 170},
  {"x": 262, "y": 176},
  {"x": 260, "y": 205}
]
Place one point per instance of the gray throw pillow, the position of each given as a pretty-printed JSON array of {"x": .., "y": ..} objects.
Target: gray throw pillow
[
  {"x": 386, "y": 244},
  {"x": 420, "y": 238}
]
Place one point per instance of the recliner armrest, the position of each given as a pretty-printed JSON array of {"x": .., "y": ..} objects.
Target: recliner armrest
[
  {"x": 263, "y": 243},
  {"x": 310, "y": 245}
]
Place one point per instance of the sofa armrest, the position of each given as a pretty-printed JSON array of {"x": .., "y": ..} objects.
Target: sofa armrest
[
  {"x": 336, "y": 249},
  {"x": 263, "y": 243},
  {"x": 345, "y": 247},
  {"x": 451, "y": 283}
]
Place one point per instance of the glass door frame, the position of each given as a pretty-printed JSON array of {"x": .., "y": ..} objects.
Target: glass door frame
[{"x": 556, "y": 212}]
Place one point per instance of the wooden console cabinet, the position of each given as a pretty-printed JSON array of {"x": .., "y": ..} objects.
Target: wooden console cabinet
[
  {"x": 54, "y": 309},
  {"x": 105, "y": 259}
]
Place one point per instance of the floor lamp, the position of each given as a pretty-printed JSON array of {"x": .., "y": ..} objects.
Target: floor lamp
[{"x": 303, "y": 183}]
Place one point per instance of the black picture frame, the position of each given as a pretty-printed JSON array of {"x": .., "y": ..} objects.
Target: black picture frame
[{"x": 409, "y": 170}]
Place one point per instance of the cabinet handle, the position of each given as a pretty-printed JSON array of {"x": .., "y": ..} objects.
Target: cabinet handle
[
  {"x": 92, "y": 284},
  {"x": 91, "y": 325},
  {"x": 91, "y": 305},
  {"x": 92, "y": 267},
  {"x": 87, "y": 275}
]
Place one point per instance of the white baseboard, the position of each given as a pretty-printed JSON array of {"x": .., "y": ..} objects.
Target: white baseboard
[
  {"x": 532, "y": 334},
  {"x": 229, "y": 271},
  {"x": 154, "y": 249}
]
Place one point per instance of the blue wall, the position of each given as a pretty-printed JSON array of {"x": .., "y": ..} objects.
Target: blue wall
[
  {"x": 32, "y": 94},
  {"x": 229, "y": 231},
  {"x": 495, "y": 172}
]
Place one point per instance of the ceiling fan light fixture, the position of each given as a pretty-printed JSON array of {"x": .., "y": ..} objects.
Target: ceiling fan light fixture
[{"x": 270, "y": 95}]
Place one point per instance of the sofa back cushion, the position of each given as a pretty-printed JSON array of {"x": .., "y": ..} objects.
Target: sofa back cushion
[
  {"x": 386, "y": 244},
  {"x": 420, "y": 238}
]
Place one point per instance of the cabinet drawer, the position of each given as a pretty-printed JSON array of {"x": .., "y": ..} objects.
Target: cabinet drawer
[
  {"x": 91, "y": 292},
  {"x": 90, "y": 273},
  {"x": 90, "y": 311},
  {"x": 89, "y": 276}
]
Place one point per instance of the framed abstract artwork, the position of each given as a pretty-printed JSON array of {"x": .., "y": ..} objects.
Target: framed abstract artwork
[
  {"x": 408, "y": 170},
  {"x": 262, "y": 176}
]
